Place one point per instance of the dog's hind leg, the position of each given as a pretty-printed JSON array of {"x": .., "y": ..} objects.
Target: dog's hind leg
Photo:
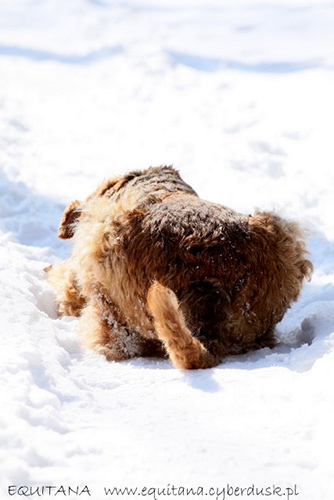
[
  {"x": 184, "y": 350},
  {"x": 102, "y": 332}
]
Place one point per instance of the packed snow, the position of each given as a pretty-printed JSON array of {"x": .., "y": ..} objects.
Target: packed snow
[{"x": 237, "y": 95}]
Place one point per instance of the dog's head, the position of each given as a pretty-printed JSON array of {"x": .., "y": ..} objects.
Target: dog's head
[
  {"x": 143, "y": 182},
  {"x": 74, "y": 210}
]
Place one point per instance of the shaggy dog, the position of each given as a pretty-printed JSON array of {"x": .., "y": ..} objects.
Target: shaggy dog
[{"x": 157, "y": 271}]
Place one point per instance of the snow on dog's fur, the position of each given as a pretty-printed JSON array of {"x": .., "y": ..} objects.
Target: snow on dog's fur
[{"x": 157, "y": 271}]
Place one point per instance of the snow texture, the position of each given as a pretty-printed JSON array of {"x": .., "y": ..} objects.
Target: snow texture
[{"x": 238, "y": 95}]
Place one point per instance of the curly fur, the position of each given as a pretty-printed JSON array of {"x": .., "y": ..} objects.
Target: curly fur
[{"x": 156, "y": 271}]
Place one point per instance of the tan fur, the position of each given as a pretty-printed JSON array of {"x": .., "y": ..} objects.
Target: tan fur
[
  {"x": 69, "y": 298},
  {"x": 183, "y": 349},
  {"x": 67, "y": 224},
  {"x": 155, "y": 271}
]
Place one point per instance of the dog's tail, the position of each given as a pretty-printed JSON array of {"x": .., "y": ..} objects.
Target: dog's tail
[{"x": 184, "y": 350}]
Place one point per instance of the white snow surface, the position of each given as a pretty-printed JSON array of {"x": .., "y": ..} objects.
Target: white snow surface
[{"x": 236, "y": 94}]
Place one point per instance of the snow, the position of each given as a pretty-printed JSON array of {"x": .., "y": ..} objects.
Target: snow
[{"x": 238, "y": 95}]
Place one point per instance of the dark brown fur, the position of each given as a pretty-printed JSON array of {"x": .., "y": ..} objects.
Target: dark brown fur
[{"x": 155, "y": 270}]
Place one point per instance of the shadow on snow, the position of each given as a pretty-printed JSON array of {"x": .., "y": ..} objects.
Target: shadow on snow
[
  {"x": 211, "y": 64},
  {"x": 42, "y": 55},
  {"x": 30, "y": 218}
]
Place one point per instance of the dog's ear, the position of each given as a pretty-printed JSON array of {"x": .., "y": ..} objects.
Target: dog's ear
[{"x": 67, "y": 224}]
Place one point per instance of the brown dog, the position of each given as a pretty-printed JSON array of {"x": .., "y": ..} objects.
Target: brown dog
[{"x": 157, "y": 271}]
